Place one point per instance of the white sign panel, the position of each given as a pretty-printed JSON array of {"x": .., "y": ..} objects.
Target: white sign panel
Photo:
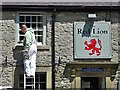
[{"x": 92, "y": 40}]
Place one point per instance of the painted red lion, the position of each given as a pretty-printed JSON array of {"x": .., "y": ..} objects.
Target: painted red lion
[{"x": 92, "y": 46}]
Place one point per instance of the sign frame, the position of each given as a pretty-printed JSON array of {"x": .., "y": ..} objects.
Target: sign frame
[{"x": 92, "y": 57}]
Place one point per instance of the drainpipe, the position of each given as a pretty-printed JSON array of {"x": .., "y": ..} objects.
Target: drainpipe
[{"x": 53, "y": 49}]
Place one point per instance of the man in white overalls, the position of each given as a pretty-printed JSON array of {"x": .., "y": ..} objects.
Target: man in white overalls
[{"x": 30, "y": 51}]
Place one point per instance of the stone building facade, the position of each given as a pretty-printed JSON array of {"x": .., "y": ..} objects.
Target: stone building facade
[{"x": 67, "y": 69}]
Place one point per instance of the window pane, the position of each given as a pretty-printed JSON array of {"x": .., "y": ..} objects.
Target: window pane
[
  {"x": 28, "y": 88},
  {"x": 34, "y": 25},
  {"x": 43, "y": 86},
  {"x": 43, "y": 78},
  {"x": 38, "y": 32},
  {"x": 21, "y": 85},
  {"x": 21, "y": 33},
  {"x": 22, "y": 18},
  {"x": 27, "y": 18},
  {"x": 36, "y": 38},
  {"x": 39, "y": 38},
  {"x": 40, "y": 19},
  {"x": 21, "y": 38},
  {"x": 29, "y": 80},
  {"x": 20, "y": 24},
  {"x": 33, "y": 18},
  {"x": 40, "y": 26},
  {"x": 37, "y": 86},
  {"x": 28, "y": 25}
]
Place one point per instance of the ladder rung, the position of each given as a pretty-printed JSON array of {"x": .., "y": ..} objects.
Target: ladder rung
[
  {"x": 29, "y": 81},
  {"x": 30, "y": 77}
]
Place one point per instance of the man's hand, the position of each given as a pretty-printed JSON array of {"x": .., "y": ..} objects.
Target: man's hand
[{"x": 24, "y": 50}]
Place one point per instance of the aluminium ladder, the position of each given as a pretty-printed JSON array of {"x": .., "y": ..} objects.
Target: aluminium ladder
[{"x": 29, "y": 83}]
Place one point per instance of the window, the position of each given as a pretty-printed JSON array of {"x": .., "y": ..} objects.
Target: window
[
  {"x": 40, "y": 81},
  {"x": 35, "y": 21}
]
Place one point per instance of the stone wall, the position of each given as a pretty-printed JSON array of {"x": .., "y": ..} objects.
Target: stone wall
[
  {"x": 64, "y": 40},
  {"x": 11, "y": 56},
  {"x": 8, "y": 38},
  {"x": 118, "y": 72},
  {"x": 63, "y": 44}
]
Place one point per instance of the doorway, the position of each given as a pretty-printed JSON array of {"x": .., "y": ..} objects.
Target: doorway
[{"x": 92, "y": 83}]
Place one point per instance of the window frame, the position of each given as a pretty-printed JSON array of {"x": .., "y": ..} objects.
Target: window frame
[
  {"x": 39, "y": 69},
  {"x": 36, "y": 82},
  {"x": 17, "y": 27}
]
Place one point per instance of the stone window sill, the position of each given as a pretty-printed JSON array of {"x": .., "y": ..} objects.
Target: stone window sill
[{"x": 43, "y": 47}]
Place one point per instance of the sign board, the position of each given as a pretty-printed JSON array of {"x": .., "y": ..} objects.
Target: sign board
[
  {"x": 92, "y": 69},
  {"x": 92, "y": 40}
]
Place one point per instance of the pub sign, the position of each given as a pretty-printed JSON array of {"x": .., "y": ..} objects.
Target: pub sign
[{"x": 92, "y": 40}]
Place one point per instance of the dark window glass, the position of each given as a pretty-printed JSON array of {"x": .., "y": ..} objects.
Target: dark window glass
[
  {"x": 27, "y": 18},
  {"x": 38, "y": 32},
  {"x": 43, "y": 79},
  {"x": 28, "y": 25},
  {"x": 21, "y": 39},
  {"x": 38, "y": 38},
  {"x": 40, "y": 25},
  {"x": 40, "y": 18},
  {"x": 22, "y": 18},
  {"x": 33, "y": 18},
  {"x": 21, "y": 33},
  {"x": 43, "y": 86},
  {"x": 34, "y": 25},
  {"x": 20, "y": 24}
]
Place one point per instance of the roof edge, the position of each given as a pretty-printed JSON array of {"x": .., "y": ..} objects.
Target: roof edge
[{"x": 64, "y": 3}]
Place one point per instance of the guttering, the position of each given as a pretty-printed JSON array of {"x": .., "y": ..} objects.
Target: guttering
[
  {"x": 53, "y": 49},
  {"x": 60, "y": 7}
]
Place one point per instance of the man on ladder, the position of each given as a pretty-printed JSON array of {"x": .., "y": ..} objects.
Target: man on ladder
[{"x": 29, "y": 52}]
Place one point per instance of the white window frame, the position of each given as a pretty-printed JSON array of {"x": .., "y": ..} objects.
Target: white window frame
[{"x": 17, "y": 28}]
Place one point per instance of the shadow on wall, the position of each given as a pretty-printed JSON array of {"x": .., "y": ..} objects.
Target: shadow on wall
[
  {"x": 67, "y": 73},
  {"x": 18, "y": 57}
]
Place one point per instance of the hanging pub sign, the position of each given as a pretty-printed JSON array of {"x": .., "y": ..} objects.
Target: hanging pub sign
[{"x": 92, "y": 40}]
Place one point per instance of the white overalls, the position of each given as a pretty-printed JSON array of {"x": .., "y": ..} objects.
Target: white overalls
[{"x": 30, "y": 61}]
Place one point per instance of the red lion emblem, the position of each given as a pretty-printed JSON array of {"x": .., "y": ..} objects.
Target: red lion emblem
[{"x": 92, "y": 46}]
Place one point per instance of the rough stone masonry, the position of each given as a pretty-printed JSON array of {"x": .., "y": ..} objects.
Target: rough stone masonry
[{"x": 10, "y": 58}]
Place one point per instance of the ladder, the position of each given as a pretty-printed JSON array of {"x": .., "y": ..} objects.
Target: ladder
[{"x": 29, "y": 83}]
